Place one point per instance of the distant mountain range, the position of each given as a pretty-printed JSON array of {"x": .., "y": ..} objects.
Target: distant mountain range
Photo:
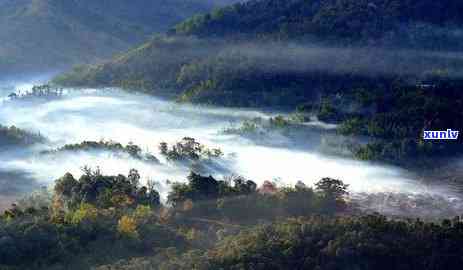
[{"x": 38, "y": 35}]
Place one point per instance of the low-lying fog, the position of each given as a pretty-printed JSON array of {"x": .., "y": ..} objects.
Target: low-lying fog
[{"x": 146, "y": 121}]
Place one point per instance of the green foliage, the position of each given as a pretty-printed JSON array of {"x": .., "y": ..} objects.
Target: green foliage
[
  {"x": 240, "y": 201},
  {"x": 198, "y": 188},
  {"x": 80, "y": 229},
  {"x": 400, "y": 116},
  {"x": 229, "y": 224},
  {"x": 15, "y": 136},
  {"x": 327, "y": 111},
  {"x": 351, "y": 126},
  {"x": 370, "y": 151},
  {"x": 131, "y": 149},
  {"x": 344, "y": 20},
  {"x": 368, "y": 242},
  {"x": 259, "y": 126},
  {"x": 155, "y": 64},
  {"x": 104, "y": 191},
  {"x": 247, "y": 127},
  {"x": 127, "y": 226},
  {"x": 188, "y": 149},
  {"x": 260, "y": 206},
  {"x": 142, "y": 212},
  {"x": 85, "y": 213}
]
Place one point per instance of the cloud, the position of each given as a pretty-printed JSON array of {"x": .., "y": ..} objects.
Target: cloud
[
  {"x": 362, "y": 61},
  {"x": 15, "y": 182}
]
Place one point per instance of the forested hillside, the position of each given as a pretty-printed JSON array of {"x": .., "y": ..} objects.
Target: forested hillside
[
  {"x": 234, "y": 34},
  {"x": 38, "y": 35},
  {"x": 351, "y": 62},
  {"x": 364, "y": 21},
  {"x": 113, "y": 222}
]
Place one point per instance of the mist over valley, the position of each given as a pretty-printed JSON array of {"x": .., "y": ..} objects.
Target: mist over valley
[
  {"x": 115, "y": 115},
  {"x": 228, "y": 134}
]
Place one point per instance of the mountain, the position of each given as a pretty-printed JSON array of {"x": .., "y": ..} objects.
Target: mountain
[
  {"x": 384, "y": 69},
  {"x": 49, "y": 34},
  {"x": 377, "y": 37}
]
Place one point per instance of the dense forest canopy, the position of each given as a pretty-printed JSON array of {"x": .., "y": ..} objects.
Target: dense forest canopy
[
  {"x": 364, "y": 22},
  {"x": 116, "y": 223}
]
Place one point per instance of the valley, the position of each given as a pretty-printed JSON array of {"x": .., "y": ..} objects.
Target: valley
[
  {"x": 285, "y": 155},
  {"x": 231, "y": 134}
]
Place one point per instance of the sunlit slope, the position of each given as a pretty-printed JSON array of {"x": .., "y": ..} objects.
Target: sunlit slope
[{"x": 48, "y": 34}]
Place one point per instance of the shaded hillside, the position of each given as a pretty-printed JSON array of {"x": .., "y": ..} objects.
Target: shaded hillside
[
  {"x": 49, "y": 34},
  {"x": 235, "y": 34},
  {"x": 364, "y": 21}
]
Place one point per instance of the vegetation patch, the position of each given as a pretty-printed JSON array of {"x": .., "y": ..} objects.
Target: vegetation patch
[
  {"x": 134, "y": 151},
  {"x": 112, "y": 222},
  {"x": 15, "y": 136},
  {"x": 188, "y": 149},
  {"x": 37, "y": 91}
]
